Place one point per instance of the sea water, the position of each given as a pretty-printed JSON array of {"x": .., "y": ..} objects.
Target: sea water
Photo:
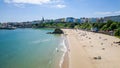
[{"x": 31, "y": 48}]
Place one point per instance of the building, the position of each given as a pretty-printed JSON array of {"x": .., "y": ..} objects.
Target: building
[
  {"x": 70, "y": 19},
  {"x": 101, "y": 20},
  {"x": 60, "y": 20},
  {"x": 92, "y": 20},
  {"x": 83, "y": 20},
  {"x": 42, "y": 21},
  {"x": 48, "y": 21},
  {"x": 78, "y": 20},
  {"x": 113, "y": 18},
  {"x": 36, "y": 22}
]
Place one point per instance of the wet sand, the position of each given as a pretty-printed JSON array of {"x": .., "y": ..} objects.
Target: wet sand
[
  {"x": 66, "y": 61},
  {"x": 66, "y": 57}
]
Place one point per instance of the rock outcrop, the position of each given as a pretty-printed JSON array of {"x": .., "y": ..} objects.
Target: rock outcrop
[{"x": 56, "y": 31}]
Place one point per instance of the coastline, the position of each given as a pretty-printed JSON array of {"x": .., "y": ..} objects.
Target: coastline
[
  {"x": 85, "y": 46},
  {"x": 65, "y": 63}
]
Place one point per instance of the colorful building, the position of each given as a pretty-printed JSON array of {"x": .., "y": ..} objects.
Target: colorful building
[{"x": 70, "y": 19}]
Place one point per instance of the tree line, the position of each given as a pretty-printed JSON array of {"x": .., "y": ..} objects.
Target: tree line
[{"x": 106, "y": 27}]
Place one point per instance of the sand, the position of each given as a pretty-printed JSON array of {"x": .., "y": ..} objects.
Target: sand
[
  {"x": 66, "y": 61},
  {"x": 92, "y": 50}
]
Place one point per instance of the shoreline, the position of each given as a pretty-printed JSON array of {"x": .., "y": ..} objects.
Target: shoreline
[{"x": 65, "y": 63}]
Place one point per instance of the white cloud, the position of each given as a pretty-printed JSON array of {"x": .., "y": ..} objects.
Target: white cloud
[
  {"x": 60, "y": 6},
  {"x": 117, "y": 12},
  {"x": 107, "y": 13},
  {"x": 7, "y": 1},
  {"x": 57, "y": 3},
  {"x": 102, "y": 13},
  {"x": 28, "y": 1},
  {"x": 19, "y": 5}
]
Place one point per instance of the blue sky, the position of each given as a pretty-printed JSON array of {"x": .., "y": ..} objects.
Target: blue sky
[{"x": 28, "y": 10}]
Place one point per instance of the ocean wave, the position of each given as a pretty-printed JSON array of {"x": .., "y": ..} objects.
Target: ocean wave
[
  {"x": 64, "y": 49},
  {"x": 43, "y": 40},
  {"x": 40, "y": 41}
]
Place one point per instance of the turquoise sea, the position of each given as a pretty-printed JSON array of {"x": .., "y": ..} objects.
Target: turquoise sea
[{"x": 30, "y": 48}]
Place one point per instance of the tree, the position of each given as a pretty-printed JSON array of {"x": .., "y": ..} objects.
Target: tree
[
  {"x": 118, "y": 25},
  {"x": 113, "y": 26},
  {"x": 109, "y": 22},
  {"x": 117, "y": 32},
  {"x": 104, "y": 27},
  {"x": 101, "y": 25},
  {"x": 77, "y": 26}
]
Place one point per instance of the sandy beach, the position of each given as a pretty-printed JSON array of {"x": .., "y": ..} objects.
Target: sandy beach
[{"x": 91, "y": 50}]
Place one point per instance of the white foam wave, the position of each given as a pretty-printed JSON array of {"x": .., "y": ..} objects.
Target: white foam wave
[
  {"x": 64, "y": 49},
  {"x": 39, "y": 41}
]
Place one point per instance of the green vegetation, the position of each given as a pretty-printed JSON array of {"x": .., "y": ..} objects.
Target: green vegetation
[
  {"x": 56, "y": 25},
  {"x": 104, "y": 27},
  {"x": 117, "y": 32}
]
